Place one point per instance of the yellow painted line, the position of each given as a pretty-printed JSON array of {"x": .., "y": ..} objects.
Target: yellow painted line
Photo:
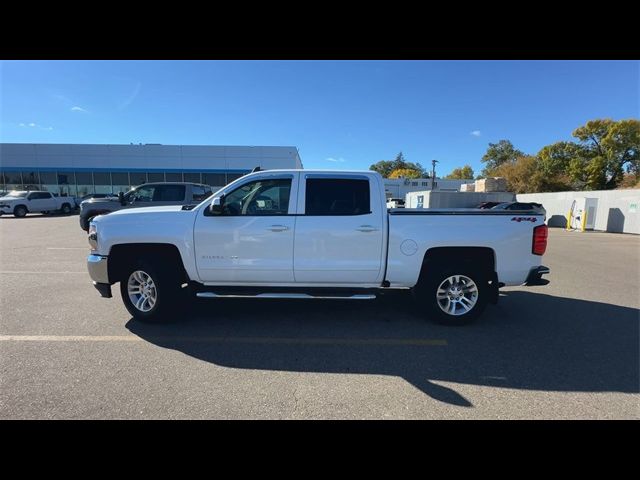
[{"x": 422, "y": 342}]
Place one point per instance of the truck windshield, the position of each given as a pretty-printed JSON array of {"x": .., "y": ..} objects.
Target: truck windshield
[{"x": 17, "y": 194}]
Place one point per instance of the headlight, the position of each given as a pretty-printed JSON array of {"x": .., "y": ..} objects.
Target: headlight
[{"x": 93, "y": 236}]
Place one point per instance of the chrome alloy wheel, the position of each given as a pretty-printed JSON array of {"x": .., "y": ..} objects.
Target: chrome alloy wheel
[
  {"x": 457, "y": 295},
  {"x": 142, "y": 291}
]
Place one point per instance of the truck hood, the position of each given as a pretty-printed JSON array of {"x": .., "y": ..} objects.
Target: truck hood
[
  {"x": 11, "y": 199},
  {"x": 146, "y": 210}
]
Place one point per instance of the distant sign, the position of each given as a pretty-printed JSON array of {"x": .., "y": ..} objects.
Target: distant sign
[
  {"x": 420, "y": 201},
  {"x": 633, "y": 207}
]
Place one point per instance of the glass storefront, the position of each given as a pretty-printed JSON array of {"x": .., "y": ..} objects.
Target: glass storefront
[{"x": 79, "y": 184}]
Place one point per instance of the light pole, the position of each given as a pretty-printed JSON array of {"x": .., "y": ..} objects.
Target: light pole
[{"x": 433, "y": 173}]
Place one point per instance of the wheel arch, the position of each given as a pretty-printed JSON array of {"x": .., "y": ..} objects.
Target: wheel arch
[
  {"x": 482, "y": 258},
  {"x": 123, "y": 256}
]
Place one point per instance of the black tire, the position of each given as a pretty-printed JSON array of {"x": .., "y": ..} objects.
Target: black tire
[
  {"x": 20, "y": 211},
  {"x": 433, "y": 276},
  {"x": 168, "y": 293},
  {"x": 66, "y": 209},
  {"x": 46, "y": 212}
]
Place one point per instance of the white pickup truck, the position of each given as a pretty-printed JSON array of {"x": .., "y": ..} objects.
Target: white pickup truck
[
  {"x": 19, "y": 203},
  {"x": 313, "y": 234}
]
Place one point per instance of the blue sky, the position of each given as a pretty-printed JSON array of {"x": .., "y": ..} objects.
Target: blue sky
[{"x": 340, "y": 114}]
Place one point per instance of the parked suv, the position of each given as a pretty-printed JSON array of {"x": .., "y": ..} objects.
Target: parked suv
[
  {"x": 19, "y": 203},
  {"x": 147, "y": 195}
]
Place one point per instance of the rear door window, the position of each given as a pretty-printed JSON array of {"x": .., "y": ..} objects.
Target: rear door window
[
  {"x": 169, "y": 193},
  {"x": 337, "y": 196}
]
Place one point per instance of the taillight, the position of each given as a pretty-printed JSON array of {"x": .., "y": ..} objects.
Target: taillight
[{"x": 540, "y": 234}]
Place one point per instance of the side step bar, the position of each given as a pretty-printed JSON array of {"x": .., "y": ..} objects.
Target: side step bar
[{"x": 287, "y": 295}]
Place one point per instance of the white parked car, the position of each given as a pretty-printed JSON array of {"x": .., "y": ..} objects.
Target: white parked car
[
  {"x": 19, "y": 203},
  {"x": 313, "y": 234},
  {"x": 395, "y": 203}
]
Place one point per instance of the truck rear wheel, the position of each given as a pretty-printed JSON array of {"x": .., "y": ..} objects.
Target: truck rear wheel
[
  {"x": 453, "y": 295},
  {"x": 66, "y": 209},
  {"x": 150, "y": 294}
]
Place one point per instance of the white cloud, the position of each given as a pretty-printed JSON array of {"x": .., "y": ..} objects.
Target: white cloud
[
  {"x": 78, "y": 109},
  {"x": 475, "y": 133},
  {"x": 336, "y": 160},
  {"x": 35, "y": 125}
]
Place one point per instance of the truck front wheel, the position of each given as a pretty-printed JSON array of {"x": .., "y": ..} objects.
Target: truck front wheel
[
  {"x": 453, "y": 296},
  {"x": 20, "y": 211},
  {"x": 150, "y": 294}
]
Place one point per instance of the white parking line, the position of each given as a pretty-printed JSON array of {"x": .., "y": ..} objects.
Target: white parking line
[
  {"x": 68, "y": 248},
  {"x": 21, "y": 272},
  {"x": 206, "y": 339}
]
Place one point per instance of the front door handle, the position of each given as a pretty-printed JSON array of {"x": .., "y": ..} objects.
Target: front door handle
[
  {"x": 367, "y": 228},
  {"x": 278, "y": 228}
]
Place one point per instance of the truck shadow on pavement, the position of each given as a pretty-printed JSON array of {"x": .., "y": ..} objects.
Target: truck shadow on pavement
[{"x": 528, "y": 341}]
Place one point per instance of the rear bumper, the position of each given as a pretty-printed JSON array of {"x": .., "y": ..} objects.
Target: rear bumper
[{"x": 535, "y": 275}]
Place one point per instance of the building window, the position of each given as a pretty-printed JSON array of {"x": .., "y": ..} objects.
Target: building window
[
  {"x": 414, "y": 184},
  {"x": 137, "y": 178},
  {"x": 425, "y": 184},
  {"x": 214, "y": 179},
  {"x": 192, "y": 177},
  {"x": 102, "y": 182},
  {"x": 155, "y": 177},
  {"x": 31, "y": 180},
  {"x": 84, "y": 182},
  {"x": 174, "y": 177},
  {"x": 14, "y": 180},
  {"x": 49, "y": 182},
  {"x": 66, "y": 184},
  {"x": 233, "y": 176},
  {"x": 120, "y": 182}
]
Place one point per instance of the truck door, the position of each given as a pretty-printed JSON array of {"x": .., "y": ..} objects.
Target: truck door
[
  {"x": 339, "y": 236},
  {"x": 251, "y": 242},
  {"x": 41, "y": 201}
]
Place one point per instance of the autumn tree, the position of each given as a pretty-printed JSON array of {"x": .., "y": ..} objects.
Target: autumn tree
[
  {"x": 499, "y": 154},
  {"x": 386, "y": 167},
  {"x": 404, "y": 173},
  {"x": 461, "y": 173}
]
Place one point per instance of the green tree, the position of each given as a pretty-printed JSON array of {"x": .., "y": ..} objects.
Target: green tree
[
  {"x": 461, "y": 173},
  {"x": 612, "y": 147},
  {"x": 385, "y": 167},
  {"x": 404, "y": 173},
  {"x": 598, "y": 161},
  {"x": 498, "y": 154}
]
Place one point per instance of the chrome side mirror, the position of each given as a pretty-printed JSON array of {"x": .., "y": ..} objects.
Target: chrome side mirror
[{"x": 217, "y": 205}]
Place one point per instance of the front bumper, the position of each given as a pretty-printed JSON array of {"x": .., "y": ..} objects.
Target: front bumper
[{"x": 98, "y": 268}]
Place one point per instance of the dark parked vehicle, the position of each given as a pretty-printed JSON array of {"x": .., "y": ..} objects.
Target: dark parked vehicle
[
  {"x": 147, "y": 195},
  {"x": 521, "y": 206},
  {"x": 487, "y": 205},
  {"x": 97, "y": 195}
]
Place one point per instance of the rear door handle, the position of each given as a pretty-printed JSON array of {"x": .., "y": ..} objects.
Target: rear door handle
[
  {"x": 278, "y": 228},
  {"x": 367, "y": 228}
]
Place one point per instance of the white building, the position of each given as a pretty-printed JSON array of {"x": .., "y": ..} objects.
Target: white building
[
  {"x": 79, "y": 169},
  {"x": 399, "y": 187}
]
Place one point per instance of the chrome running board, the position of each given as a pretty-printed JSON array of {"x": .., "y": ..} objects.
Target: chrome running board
[{"x": 287, "y": 295}]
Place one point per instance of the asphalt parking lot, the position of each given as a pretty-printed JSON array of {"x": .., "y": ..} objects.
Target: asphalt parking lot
[{"x": 569, "y": 349}]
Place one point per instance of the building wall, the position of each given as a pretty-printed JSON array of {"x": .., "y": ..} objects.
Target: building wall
[
  {"x": 617, "y": 210},
  {"x": 442, "y": 199},
  {"x": 74, "y": 169},
  {"x": 399, "y": 187}
]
